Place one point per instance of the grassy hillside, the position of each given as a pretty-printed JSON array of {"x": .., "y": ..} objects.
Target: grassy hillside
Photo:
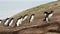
[
  {"x": 37, "y": 8},
  {"x": 38, "y": 25}
]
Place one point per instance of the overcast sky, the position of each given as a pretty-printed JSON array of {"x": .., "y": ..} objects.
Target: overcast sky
[{"x": 10, "y": 7}]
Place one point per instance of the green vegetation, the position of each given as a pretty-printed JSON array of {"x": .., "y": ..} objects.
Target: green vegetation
[{"x": 37, "y": 8}]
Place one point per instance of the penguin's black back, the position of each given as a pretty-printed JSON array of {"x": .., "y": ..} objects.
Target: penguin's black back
[
  {"x": 25, "y": 15},
  {"x": 6, "y": 19},
  {"x": 32, "y": 15},
  {"x": 11, "y": 19}
]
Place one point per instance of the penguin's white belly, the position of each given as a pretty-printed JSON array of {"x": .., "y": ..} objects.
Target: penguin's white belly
[
  {"x": 19, "y": 22},
  {"x": 47, "y": 19},
  {"x": 0, "y": 22},
  {"x": 25, "y": 18},
  {"x": 50, "y": 15},
  {"x": 11, "y": 23},
  {"x": 32, "y": 18},
  {"x": 6, "y": 23}
]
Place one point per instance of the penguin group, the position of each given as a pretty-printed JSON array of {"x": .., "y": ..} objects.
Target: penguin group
[
  {"x": 23, "y": 18},
  {"x": 9, "y": 21}
]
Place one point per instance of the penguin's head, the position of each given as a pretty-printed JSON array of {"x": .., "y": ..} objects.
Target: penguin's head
[
  {"x": 33, "y": 14},
  {"x": 7, "y": 18},
  {"x": 21, "y": 17},
  {"x": 26, "y": 15},
  {"x": 52, "y": 11},
  {"x": 45, "y": 12},
  {"x": 12, "y": 18}
]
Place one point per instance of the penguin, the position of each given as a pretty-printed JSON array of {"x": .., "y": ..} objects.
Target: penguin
[
  {"x": 48, "y": 15},
  {"x": 6, "y": 21},
  {"x": 31, "y": 18},
  {"x": 0, "y": 21},
  {"x": 19, "y": 21},
  {"x": 11, "y": 21},
  {"x": 25, "y": 17}
]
